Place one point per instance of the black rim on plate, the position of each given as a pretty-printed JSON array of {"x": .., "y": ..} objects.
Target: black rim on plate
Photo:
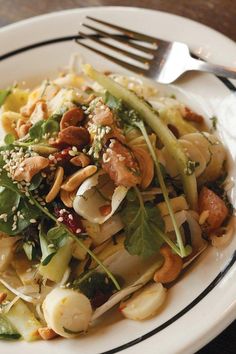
[{"x": 217, "y": 279}]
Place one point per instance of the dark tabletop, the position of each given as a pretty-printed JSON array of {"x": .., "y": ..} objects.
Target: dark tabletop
[{"x": 218, "y": 14}]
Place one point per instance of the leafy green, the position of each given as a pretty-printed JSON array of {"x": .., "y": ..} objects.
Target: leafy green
[
  {"x": 10, "y": 197},
  {"x": 131, "y": 118},
  {"x": 35, "y": 182},
  {"x": 49, "y": 126},
  {"x": 47, "y": 213},
  {"x": 57, "y": 236},
  {"x": 7, "y": 331},
  {"x": 3, "y": 95},
  {"x": 8, "y": 200},
  {"x": 28, "y": 212},
  {"x": 151, "y": 118},
  {"x": 92, "y": 283},
  {"x": 51, "y": 241},
  {"x": 9, "y": 139},
  {"x": 36, "y": 131},
  {"x": 47, "y": 252},
  {"x": 143, "y": 224}
]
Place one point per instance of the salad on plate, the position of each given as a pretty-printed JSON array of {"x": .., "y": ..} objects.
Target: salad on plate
[{"x": 109, "y": 188}]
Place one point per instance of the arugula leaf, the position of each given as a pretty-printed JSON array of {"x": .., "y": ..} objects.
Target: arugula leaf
[
  {"x": 51, "y": 241},
  {"x": 8, "y": 200},
  {"x": 50, "y": 126},
  {"x": 47, "y": 252},
  {"x": 57, "y": 236},
  {"x": 143, "y": 224},
  {"x": 35, "y": 182},
  {"x": 3, "y": 95},
  {"x": 7, "y": 331},
  {"x": 36, "y": 131},
  {"x": 93, "y": 283},
  {"x": 9, "y": 139},
  {"x": 28, "y": 212}
]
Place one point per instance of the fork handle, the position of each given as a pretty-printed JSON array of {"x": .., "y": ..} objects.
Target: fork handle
[{"x": 219, "y": 70}]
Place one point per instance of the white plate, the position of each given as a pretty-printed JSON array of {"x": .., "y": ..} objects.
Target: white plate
[{"x": 203, "y": 302}]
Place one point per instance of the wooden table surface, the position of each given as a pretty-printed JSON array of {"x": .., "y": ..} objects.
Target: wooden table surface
[{"x": 218, "y": 14}]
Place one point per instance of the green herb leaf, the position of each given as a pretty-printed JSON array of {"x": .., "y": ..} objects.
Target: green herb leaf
[
  {"x": 57, "y": 236},
  {"x": 50, "y": 126},
  {"x": 47, "y": 252},
  {"x": 92, "y": 282},
  {"x": 35, "y": 182},
  {"x": 3, "y": 95},
  {"x": 8, "y": 200},
  {"x": 143, "y": 228},
  {"x": 51, "y": 241},
  {"x": 9, "y": 139},
  {"x": 36, "y": 131}
]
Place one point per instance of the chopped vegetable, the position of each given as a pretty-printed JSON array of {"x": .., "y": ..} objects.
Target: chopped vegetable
[
  {"x": 7, "y": 331},
  {"x": 151, "y": 118}
]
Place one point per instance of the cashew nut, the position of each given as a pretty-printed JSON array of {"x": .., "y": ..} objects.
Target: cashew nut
[
  {"x": 47, "y": 333},
  {"x": 80, "y": 160},
  {"x": 74, "y": 181},
  {"x": 171, "y": 268},
  {"x": 3, "y": 296},
  {"x": 30, "y": 167},
  {"x": 71, "y": 118},
  {"x": 56, "y": 185},
  {"x": 78, "y": 136},
  {"x": 9, "y": 121},
  {"x": 67, "y": 197},
  {"x": 22, "y": 127}
]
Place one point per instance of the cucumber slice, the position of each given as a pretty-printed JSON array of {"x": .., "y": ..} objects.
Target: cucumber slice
[
  {"x": 23, "y": 319},
  {"x": 7, "y": 331},
  {"x": 55, "y": 269}
]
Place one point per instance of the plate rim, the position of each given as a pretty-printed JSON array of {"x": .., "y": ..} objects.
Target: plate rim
[{"x": 33, "y": 19}]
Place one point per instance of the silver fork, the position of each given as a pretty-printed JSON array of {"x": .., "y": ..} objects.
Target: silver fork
[{"x": 155, "y": 58}]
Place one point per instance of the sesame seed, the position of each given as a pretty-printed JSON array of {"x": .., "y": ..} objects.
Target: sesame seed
[
  {"x": 60, "y": 219},
  {"x": 33, "y": 221},
  {"x": 78, "y": 231},
  {"x": 70, "y": 216},
  {"x": 72, "y": 153},
  {"x": 121, "y": 158}
]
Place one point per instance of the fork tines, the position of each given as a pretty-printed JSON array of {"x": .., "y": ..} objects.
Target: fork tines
[{"x": 142, "y": 47}]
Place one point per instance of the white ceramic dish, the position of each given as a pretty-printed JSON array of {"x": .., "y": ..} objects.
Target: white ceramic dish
[{"x": 203, "y": 302}]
